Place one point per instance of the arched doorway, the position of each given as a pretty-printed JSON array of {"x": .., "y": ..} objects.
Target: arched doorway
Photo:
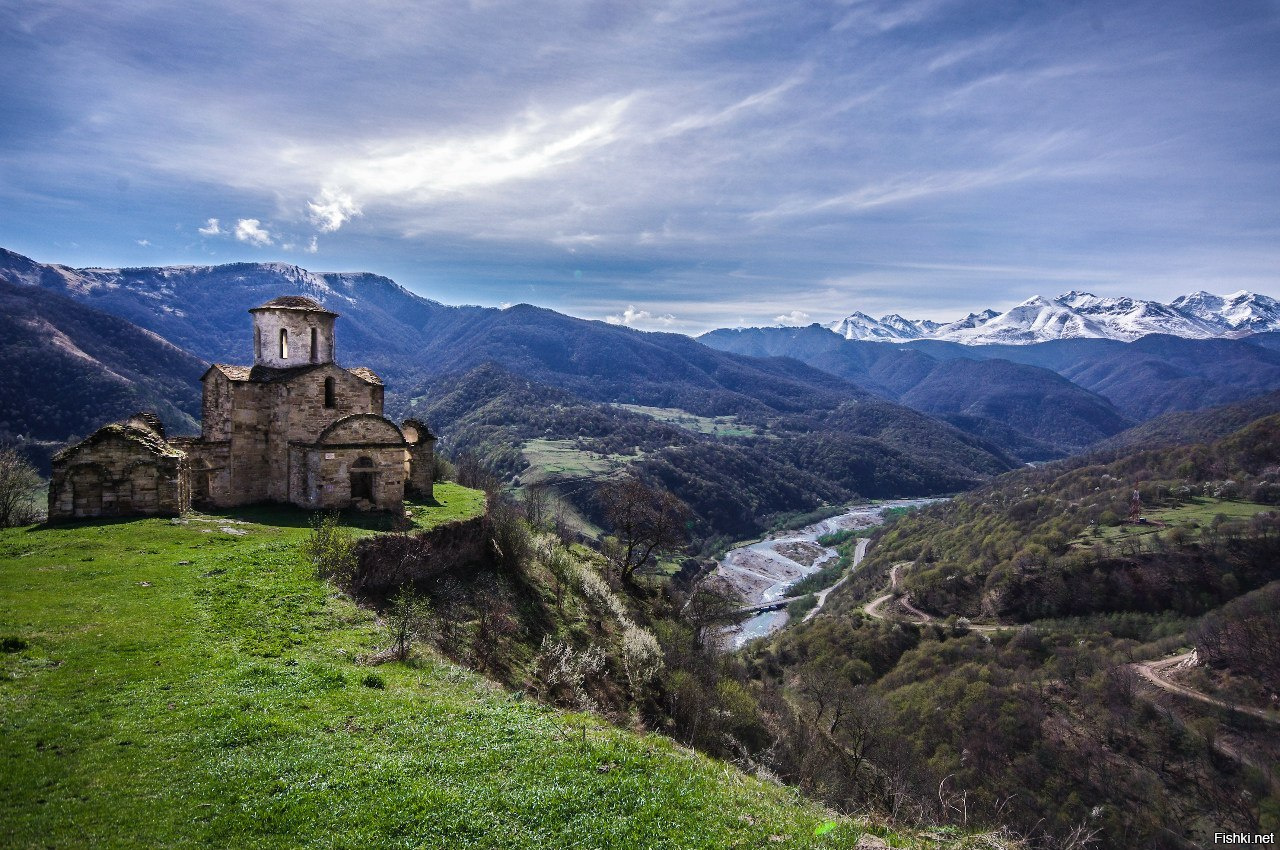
[{"x": 362, "y": 474}]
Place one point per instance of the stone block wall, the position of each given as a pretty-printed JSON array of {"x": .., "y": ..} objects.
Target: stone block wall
[
  {"x": 115, "y": 473},
  {"x": 327, "y": 474}
]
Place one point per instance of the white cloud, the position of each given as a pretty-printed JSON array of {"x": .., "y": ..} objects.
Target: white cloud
[
  {"x": 796, "y": 319},
  {"x": 313, "y": 246},
  {"x": 332, "y": 209},
  {"x": 145, "y": 243},
  {"x": 631, "y": 317},
  {"x": 251, "y": 230},
  {"x": 211, "y": 228}
]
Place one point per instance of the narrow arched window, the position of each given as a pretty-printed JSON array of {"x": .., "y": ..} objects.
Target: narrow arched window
[
  {"x": 284, "y": 344},
  {"x": 330, "y": 393},
  {"x": 315, "y": 349}
]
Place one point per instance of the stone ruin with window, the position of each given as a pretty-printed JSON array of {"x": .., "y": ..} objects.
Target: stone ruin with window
[{"x": 294, "y": 427}]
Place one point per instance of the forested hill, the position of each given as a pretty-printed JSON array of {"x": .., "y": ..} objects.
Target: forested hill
[
  {"x": 66, "y": 368},
  {"x": 1198, "y": 426},
  {"x": 1070, "y": 392},
  {"x": 738, "y": 478},
  {"x": 407, "y": 338},
  {"x": 1021, "y": 695},
  {"x": 1052, "y": 541}
]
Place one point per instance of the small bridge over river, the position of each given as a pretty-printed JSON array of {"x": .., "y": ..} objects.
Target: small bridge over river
[{"x": 775, "y": 605}]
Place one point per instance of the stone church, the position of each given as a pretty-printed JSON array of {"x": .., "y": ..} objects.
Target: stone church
[{"x": 294, "y": 427}]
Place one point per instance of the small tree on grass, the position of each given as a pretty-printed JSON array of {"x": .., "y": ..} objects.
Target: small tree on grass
[
  {"x": 19, "y": 486},
  {"x": 407, "y": 618},
  {"x": 331, "y": 549}
]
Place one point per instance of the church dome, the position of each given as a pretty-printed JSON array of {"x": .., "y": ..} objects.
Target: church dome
[{"x": 294, "y": 302}]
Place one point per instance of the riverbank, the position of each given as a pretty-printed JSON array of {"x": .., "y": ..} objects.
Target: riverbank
[{"x": 761, "y": 572}]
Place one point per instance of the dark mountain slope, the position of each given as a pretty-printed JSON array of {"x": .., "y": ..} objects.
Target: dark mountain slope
[
  {"x": 736, "y": 485},
  {"x": 407, "y": 338},
  {"x": 990, "y": 395},
  {"x": 66, "y": 368},
  {"x": 1032, "y": 400},
  {"x": 1150, "y": 376},
  {"x": 203, "y": 308},
  {"x": 1199, "y": 426}
]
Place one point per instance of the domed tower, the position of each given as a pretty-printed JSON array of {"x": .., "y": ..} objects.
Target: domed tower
[{"x": 290, "y": 331}]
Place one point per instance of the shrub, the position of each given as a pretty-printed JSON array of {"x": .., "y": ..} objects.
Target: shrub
[
  {"x": 407, "y": 617},
  {"x": 373, "y": 680},
  {"x": 331, "y": 549},
  {"x": 19, "y": 487}
]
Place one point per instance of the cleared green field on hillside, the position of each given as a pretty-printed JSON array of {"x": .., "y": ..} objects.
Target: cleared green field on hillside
[
  {"x": 190, "y": 683},
  {"x": 1192, "y": 518},
  {"x": 720, "y": 426}
]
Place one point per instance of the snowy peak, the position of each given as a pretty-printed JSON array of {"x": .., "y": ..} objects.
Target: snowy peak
[
  {"x": 1035, "y": 320},
  {"x": 1077, "y": 315},
  {"x": 862, "y": 326},
  {"x": 1250, "y": 312}
]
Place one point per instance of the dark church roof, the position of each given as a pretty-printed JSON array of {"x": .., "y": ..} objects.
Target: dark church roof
[
  {"x": 294, "y": 302},
  {"x": 269, "y": 375}
]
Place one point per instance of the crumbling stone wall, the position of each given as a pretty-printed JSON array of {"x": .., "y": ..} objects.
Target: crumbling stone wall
[{"x": 122, "y": 470}]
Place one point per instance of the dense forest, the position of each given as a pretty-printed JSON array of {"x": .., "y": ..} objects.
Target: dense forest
[
  {"x": 1040, "y": 543},
  {"x": 781, "y": 463}
]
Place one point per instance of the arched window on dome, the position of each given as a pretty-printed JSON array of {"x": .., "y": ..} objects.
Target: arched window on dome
[{"x": 284, "y": 344}]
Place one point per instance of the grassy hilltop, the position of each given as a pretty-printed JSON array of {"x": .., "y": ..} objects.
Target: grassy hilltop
[{"x": 190, "y": 683}]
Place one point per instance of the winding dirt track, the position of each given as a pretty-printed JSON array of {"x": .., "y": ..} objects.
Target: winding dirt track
[
  {"x": 1151, "y": 671},
  {"x": 872, "y": 608}
]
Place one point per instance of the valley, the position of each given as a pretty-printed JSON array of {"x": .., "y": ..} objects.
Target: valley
[
  {"x": 997, "y": 642},
  {"x": 762, "y": 573}
]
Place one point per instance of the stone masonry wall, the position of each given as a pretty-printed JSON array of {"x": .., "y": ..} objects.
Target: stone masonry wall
[{"x": 118, "y": 475}]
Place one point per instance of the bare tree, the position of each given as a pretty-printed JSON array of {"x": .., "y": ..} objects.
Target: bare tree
[
  {"x": 19, "y": 487},
  {"x": 536, "y": 500},
  {"x": 646, "y": 521},
  {"x": 710, "y": 607}
]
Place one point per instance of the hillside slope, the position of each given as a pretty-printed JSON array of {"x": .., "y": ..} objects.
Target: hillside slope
[
  {"x": 191, "y": 684},
  {"x": 1044, "y": 410},
  {"x": 737, "y": 485},
  {"x": 66, "y": 368}
]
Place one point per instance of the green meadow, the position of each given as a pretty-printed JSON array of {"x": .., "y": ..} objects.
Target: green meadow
[{"x": 189, "y": 682}]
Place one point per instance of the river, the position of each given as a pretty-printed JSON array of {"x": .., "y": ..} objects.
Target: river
[{"x": 761, "y": 573}]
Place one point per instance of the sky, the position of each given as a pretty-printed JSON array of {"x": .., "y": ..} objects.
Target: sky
[{"x": 673, "y": 166}]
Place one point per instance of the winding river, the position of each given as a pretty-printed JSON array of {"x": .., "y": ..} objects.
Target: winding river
[{"x": 761, "y": 572}]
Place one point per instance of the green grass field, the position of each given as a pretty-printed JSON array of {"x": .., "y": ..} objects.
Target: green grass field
[
  {"x": 190, "y": 683},
  {"x": 720, "y": 426},
  {"x": 558, "y": 460},
  {"x": 1192, "y": 517}
]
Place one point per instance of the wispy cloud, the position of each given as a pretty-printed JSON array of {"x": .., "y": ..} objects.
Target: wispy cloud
[{"x": 696, "y": 161}]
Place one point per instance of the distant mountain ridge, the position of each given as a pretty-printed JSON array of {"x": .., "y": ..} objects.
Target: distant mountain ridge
[
  {"x": 840, "y": 441},
  {"x": 1081, "y": 315}
]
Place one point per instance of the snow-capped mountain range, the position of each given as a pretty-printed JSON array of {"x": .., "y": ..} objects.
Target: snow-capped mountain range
[{"x": 1077, "y": 315}]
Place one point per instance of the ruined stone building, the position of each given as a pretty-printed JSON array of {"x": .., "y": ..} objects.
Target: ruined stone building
[{"x": 294, "y": 427}]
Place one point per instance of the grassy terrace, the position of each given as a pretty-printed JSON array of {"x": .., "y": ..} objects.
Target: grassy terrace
[
  {"x": 720, "y": 426},
  {"x": 189, "y": 683},
  {"x": 1193, "y": 517}
]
